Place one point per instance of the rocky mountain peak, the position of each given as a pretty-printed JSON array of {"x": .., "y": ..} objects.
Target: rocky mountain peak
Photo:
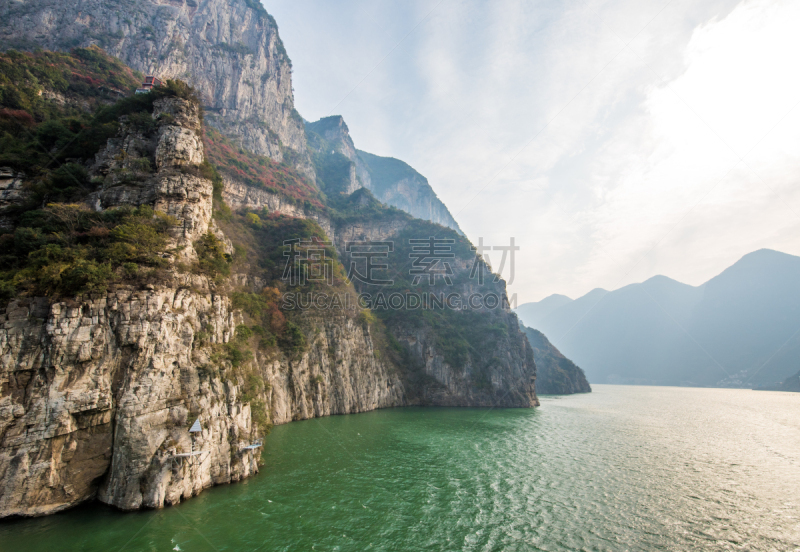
[
  {"x": 391, "y": 181},
  {"x": 335, "y": 132},
  {"x": 228, "y": 49}
]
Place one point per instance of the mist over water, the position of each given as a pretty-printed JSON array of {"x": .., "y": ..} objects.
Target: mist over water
[{"x": 623, "y": 468}]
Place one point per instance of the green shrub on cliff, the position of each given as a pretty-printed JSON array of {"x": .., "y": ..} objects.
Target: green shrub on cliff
[
  {"x": 65, "y": 249},
  {"x": 38, "y": 135},
  {"x": 212, "y": 259},
  {"x": 47, "y": 133}
]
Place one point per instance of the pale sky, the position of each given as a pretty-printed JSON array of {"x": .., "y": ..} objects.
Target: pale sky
[{"x": 614, "y": 140}]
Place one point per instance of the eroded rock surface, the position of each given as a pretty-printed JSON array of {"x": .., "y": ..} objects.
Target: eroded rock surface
[
  {"x": 97, "y": 392},
  {"x": 228, "y": 49}
]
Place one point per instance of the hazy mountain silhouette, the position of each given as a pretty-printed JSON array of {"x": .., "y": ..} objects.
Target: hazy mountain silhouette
[
  {"x": 532, "y": 313},
  {"x": 792, "y": 383},
  {"x": 741, "y": 328}
]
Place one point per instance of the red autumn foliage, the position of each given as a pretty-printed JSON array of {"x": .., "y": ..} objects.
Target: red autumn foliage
[
  {"x": 19, "y": 116},
  {"x": 277, "y": 319},
  {"x": 259, "y": 171}
]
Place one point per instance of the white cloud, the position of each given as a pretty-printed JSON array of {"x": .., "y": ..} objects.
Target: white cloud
[
  {"x": 602, "y": 194},
  {"x": 687, "y": 172}
]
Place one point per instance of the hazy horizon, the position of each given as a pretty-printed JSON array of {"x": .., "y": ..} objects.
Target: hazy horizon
[
  {"x": 615, "y": 141},
  {"x": 657, "y": 276}
]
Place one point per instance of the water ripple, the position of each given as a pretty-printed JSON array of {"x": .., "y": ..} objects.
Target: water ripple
[{"x": 625, "y": 468}]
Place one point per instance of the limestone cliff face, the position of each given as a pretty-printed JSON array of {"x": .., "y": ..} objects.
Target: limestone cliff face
[
  {"x": 507, "y": 365},
  {"x": 172, "y": 147},
  {"x": 340, "y": 374},
  {"x": 97, "y": 392},
  {"x": 391, "y": 181},
  {"x": 98, "y": 395},
  {"x": 228, "y": 49}
]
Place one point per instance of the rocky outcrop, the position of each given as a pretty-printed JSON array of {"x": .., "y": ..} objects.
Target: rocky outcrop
[
  {"x": 506, "y": 372},
  {"x": 397, "y": 184},
  {"x": 556, "y": 374},
  {"x": 97, "y": 392},
  {"x": 98, "y": 396},
  {"x": 498, "y": 371},
  {"x": 158, "y": 166},
  {"x": 12, "y": 192},
  {"x": 340, "y": 374},
  {"x": 229, "y": 50},
  {"x": 330, "y": 136}
]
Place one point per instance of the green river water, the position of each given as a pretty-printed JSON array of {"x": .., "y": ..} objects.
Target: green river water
[{"x": 623, "y": 468}]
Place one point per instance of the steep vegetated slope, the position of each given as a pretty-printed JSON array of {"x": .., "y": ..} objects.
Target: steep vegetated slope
[
  {"x": 555, "y": 374},
  {"x": 260, "y": 172},
  {"x": 47, "y": 104},
  {"x": 455, "y": 337},
  {"x": 147, "y": 282}
]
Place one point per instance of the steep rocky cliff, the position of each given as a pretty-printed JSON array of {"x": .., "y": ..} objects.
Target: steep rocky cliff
[
  {"x": 343, "y": 169},
  {"x": 396, "y": 183},
  {"x": 228, "y": 49},
  {"x": 142, "y": 280},
  {"x": 98, "y": 389},
  {"x": 466, "y": 351},
  {"x": 556, "y": 374},
  {"x": 329, "y": 140},
  {"x": 232, "y": 53}
]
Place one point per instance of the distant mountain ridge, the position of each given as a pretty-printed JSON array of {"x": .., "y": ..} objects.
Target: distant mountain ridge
[
  {"x": 533, "y": 313},
  {"x": 739, "y": 329},
  {"x": 791, "y": 383}
]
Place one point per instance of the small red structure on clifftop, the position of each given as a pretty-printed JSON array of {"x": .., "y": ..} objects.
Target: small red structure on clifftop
[{"x": 149, "y": 83}]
